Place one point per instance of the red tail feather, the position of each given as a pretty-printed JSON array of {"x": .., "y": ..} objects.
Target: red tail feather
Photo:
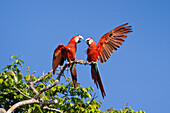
[
  {"x": 74, "y": 75},
  {"x": 97, "y": 81}
]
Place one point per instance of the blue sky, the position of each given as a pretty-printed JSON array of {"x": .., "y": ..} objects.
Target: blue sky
[{"x": 137, "y": 73}]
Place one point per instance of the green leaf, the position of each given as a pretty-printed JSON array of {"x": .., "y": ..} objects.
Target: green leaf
[
  {"x": 17, "y": 61},
  {"x": 19, "y": 77},
  {"x": 27, "y": 77},
  {"x": 20, "y": 64},
  {"x": 1, "y": 80},
  {"x": 52, "y": 81},
  {"x": 4, "y": 67},
  {"x": 10, "y": 81},
  {"x": 13, "y": 57},
  {"x": 21, "y": 61},
  {"x": 30, "y": 110},
  {"x": 12, "y": 63},
  {"x": 100, "y": 102},
  {"x": 12, "y": 73},
  {"x": 16, "y": 78}
]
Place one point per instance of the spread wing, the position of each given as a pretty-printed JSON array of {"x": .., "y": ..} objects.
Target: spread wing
[
  {"x": 57, "y": 58},
  {"x": 111, "y": 41}
]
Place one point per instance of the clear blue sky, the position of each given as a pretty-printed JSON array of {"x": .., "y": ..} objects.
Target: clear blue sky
[{"x": 138, "y": 73}]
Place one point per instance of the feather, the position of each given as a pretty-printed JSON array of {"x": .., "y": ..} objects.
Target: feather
[
  {"x": 106, "y": 54},
  {"x": 121, "y": 37},
  {"x": 117, "y": 43},
  {"x": 97, "y": 79},
  {"x": 57, "y": 58},
  {"x": 74, "y": 75},
  {"x": 119, "y": 40}
]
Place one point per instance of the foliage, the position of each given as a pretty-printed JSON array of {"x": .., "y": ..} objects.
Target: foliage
[
  {"x": 70, "y": 100},
  {"x": 124, "y": 110}
]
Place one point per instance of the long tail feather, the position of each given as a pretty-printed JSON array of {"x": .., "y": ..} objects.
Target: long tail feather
[
  {"x": 74, "y": 75},
  {"x": 97, "y": 79}
]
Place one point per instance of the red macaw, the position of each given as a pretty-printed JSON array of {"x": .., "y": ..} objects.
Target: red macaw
[
  {"x": 104, "y": 49},
  {"x": 62, "y": 53}
]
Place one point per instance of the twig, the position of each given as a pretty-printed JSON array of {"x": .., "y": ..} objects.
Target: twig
[
  {"x": 32, "y": 75},
  {"x": 6, "y": 93},
  {"x": 60, "y": 68},
  {"x": 28, "y": 70},
  {"x": 94, "y": 97},
  {"x": 42, "y": 77},
  {"x": 65, "y": 77},
  {"x": 33, "y": 89},
  {"x": 22, "y": 93},
  {"x": 53, "y": 101},
  {"x": 52, "y": 109}
]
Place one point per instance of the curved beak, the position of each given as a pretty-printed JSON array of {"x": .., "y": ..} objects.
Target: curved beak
[
  {"x": 87, "y": 41},
  {"x": 80, "y": 37}
]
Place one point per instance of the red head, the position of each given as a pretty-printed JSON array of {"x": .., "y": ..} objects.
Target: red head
[
  {"x": 76, "y": 39},
  {"x": 90, "y": 42}
]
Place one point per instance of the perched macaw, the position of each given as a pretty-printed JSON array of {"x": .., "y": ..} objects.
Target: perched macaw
[
  {"x": 62, "y": 53},
  {"x": 104, "y": 49}
]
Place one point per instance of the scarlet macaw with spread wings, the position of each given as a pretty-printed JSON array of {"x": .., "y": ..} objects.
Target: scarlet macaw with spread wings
[
  {"x": 68, "y": 52},
  {"x": 104, "y": 49}
]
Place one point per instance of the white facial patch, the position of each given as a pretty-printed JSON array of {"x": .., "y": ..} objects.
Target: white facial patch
[
  {"x": 89, "y": 41},
  {"x": 77, "y": 39}
]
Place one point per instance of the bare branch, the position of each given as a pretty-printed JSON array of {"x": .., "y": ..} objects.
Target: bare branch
[
  {"x": 22, "y": 93},
  {"x": 33, "y": 89},
  {"x": 65, "y": 77},
  {"x": 6, "y": 93},
  {"x": 32, "y": 75},
  {"x": 82, "y": 62},
  {"x": 2, "y": 110},
  {"x": 94, "y": 97},
  {"x": 42, "y": 77},
  {"x": 60, "y": 68},
  {"x": 52, "y": 109},
  {"x": 31, "y": 101},
  {"x": 54, "y": 101}
]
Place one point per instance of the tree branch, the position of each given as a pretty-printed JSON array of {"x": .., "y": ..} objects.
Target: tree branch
[
  {"x": 22, "y": 93},
  {"x": 6, "y": 93},
  {"x": 31, "y": 101},
  {"x": 2, "y": 110},
  {"x": 52, "y": 109}
]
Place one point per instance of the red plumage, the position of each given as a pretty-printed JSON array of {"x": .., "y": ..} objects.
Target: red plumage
[
  {"x": 68, "y": 52},
  {"x": 104, "y": 49}
]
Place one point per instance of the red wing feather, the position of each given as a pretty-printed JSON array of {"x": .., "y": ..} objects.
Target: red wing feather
[
  {"x": 57, "y": 58},
  {"x": 111, "y": 41}
]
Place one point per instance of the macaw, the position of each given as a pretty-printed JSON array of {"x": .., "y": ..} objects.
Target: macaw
[
  {"x": 62, "y": 53},
  {"x": 104, "y": 49}
]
